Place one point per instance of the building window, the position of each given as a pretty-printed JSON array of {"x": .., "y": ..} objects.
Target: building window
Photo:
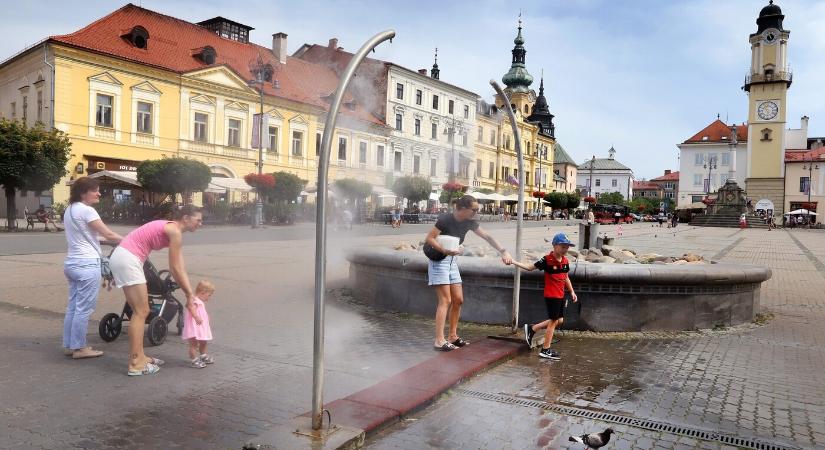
[
  {"x": 362, "y": 152},
  {"x": 398, "y": 121},
  {"x": 13, "y": 108},
  {"x": 25, "y": 108},
  {"x": 696, "y": 198},
  {"x": 39, "y": 106},
  {"x": 507, "y": 141},
  {"x": 450, "y": 106},
  {"x": 526, "y": 109},
  {"x": 615, "y": 182},
  {"x": 318, "y": 139},
  {"x": 698, "y": 159},
  {"x": 492, "y": 173},
  {"x": 416, "y": 164},
  {"x": 435, "y": 102},
  {"x": 419, "y": 96},
  {"x": 434, "y": 133},
  {"x": 493, "y": 137},
  {"x": 399, "y": 91},
  {"x": 433, "y": 165},
  {"x": 466, "y": 111},
  {"x": 201, "y": 127},
  {"x": 480, "y": 134},
  {"x": 697, "y": 179},
  {"x": 234, "y": 135},
  {"x": 273, "y": 140},
  {"x": 804, "y": 184},
  {"x": 397, "y": 162},
  {"x": 598, "y": 182},
  {"x": 726, "y": 159},
  {"x": 297, "y": 143},
  {"x": 418, "y": 127},
  {"x": 464, "y": 139},
  {"x": 144, "y": 117},
  {"x": 103, "y": 117},
  {"x": 342, "y": 149},
  {"x": 379, "y": 158},
  {"x": 478, "y": 168}
]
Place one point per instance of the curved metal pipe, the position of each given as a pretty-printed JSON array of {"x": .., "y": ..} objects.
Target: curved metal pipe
[
  {"x": 520, "y": 209},
  {"x": 321, "y": 226}
]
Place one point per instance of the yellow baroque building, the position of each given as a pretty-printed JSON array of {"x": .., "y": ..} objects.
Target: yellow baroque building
[{"x": 138, "y": 85}]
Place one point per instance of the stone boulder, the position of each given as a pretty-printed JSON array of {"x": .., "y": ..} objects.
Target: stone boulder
[
  {"x": 630, "y": 261},
  {"x": 691, "y": 257},
  {"x": 606, "y": 249},
  {"x": 573, "y": 253},
  {"x": 629, "y": 253},
  {"x": 605, "y": 260},
  {"x": 619, "y": 256},
  {"x": 648, "y": 258}
]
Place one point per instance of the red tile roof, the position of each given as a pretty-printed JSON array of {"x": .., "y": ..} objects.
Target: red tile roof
[
  {"x": 645, "y": 186},
  {"x": 672, "y": 176},
  {"x": 171, "y": 44},
  {"x": 718, "y": 130},
  {"x": 805, "y": 155}
]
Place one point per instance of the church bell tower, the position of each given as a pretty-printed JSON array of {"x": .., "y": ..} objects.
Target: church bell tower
[{"x": 767, "y": 86}]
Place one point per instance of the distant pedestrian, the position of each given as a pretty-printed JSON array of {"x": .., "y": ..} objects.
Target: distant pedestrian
[
  {"x": 196, "y": 328},
  {"x": 82, "y": 266},
  {"x": 44, "y": 217},
  {"x": 396, "y": 217},
  {"x": 743, "y": 221},
  {"x": 555, "y": 266},
  {"x": 443, "y": 271},
  {"x": 660, "y": 218},
  {"x": 674, "y": 220},
  {"x": 346, "y": 217},
  {"x": 591, "y": 218}
]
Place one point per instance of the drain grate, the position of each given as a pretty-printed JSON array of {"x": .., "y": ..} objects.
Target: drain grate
[{"x": 696, "y": 433}]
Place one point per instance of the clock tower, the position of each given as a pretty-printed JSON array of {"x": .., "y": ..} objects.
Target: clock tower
[{"x": 767, "y": 85}]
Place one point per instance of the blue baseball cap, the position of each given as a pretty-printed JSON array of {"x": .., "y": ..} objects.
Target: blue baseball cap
[{"x": 561, "y": 239}]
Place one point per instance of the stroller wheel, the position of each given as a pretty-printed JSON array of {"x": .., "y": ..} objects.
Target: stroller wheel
[
  {"x": 110, "y": 327},
  {"x": 157, "y": 331},
  {"x": 180, "y": 323}
]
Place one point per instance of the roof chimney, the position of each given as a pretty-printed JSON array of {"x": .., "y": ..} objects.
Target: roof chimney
[
  {"x": 805, "y": 124},
  {"x": 279, "y": 47},
  {"x": 333, "y": 43},
  {"x": 667, "y": 171},
  {"x": 423, "y": 72}
]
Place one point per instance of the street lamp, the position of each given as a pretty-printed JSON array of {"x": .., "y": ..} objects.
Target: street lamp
[
  {"x": 810, "y": 166},
  {"x": 454, "y": 127},
  {"x": 710, "y": 164},
  {"x": 263, "y": 73}
]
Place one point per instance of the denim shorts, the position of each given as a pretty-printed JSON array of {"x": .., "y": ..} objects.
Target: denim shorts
[{"x": 444, "y": 271}]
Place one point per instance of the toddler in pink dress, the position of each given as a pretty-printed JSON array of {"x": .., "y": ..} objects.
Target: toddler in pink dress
[{"x": 196, "y": 326}]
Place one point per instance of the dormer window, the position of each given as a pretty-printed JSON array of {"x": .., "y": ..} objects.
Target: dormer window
[
  {"x": 207, "y": 54},
  {"x": 137, "y": 36}
]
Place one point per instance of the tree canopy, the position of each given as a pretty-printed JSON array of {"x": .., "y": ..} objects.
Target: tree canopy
[
  {"x": 174, "y": 176},
  {"x": 288, "y": 186},
  {"x": 353, "y": 189},
  {"x": 30, "y": 158},
  {"x": 611, "y": 198},
  {"x": 413, "y": 188}
]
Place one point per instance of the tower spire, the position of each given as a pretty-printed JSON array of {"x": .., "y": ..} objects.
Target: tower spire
[
  {"x": 517, "y": 78},
  {"x": 435, "y": 72}
]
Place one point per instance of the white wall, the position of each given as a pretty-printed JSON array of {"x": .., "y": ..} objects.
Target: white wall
[
  {"x": 624, "y": 181},
  {"x": 20, "y": 78},
  {"x": 689, "y": 169}
]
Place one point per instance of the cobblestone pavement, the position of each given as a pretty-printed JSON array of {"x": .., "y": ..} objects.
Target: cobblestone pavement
[{"x": 762, "y": 384}]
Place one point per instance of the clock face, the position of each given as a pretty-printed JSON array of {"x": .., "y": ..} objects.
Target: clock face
[
  {"x": 770, "y": 36},
  {"x": 767, "y": 110}
]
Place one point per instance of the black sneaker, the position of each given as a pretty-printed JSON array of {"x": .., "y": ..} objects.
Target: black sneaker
[
  {"x": 528, "y": 334},
  {"x": 550, "y": 354}
]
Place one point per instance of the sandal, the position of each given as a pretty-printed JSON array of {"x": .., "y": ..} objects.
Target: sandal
[
  {"x": 460, "y": 342},
  {"x": 446, "y": 347},
  {"x": 148, "y": 369},
  {"x": 207, "y": 359},
  {"x": 86, "y": 352},
  {"x": 156, "y": 361},
  {"x": 197, "y": 363}
]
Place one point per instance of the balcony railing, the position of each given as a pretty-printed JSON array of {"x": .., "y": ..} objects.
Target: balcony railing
[{"x": 768, "y": 78}]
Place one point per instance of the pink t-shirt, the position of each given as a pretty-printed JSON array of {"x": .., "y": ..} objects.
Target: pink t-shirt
[{"x": 141, "y": 241}]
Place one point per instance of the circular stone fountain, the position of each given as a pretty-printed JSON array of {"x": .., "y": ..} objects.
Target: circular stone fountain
[{"x": 612, "y": 297}]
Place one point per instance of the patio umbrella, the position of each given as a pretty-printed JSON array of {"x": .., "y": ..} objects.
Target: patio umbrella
[{"x": 802, "y": 212}]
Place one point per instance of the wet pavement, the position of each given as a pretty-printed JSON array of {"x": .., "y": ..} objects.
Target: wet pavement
[{"x": 756, "y": 383}]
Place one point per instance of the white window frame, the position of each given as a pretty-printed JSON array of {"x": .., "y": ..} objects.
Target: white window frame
[
  {"x": 381, "y": 155},
  {"x": 236, "y": 136},
  {"x": 698, "y": 179},
  {"x": 338, "y": 148},
  {"x": 400, "y": 155},
  {"x": 365, "y": 147},
  {"x": 301, "y": 142},
  {"x": 273, "y": 149},
  {"x": 208, "y": 139},
  {"x": 145, "y": 119},
  {"x": 297, "y": 123},
  {"x": 114, "y": 89},
  {"x": 153, "y": 98},
  {"x": 433, "y": 167},
  {"x": 416, "y": 161},
  {"x": 698, "y": 159}
]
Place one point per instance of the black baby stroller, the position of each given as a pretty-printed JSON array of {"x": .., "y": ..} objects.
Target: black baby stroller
[{"x": 163, "y": 307}]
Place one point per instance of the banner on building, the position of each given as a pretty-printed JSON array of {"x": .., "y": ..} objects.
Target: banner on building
[{"x": 256, "y": 130}]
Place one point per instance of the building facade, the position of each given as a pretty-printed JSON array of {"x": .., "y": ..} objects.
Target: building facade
[
  {"x": 709, "y": 158},
  {"x": 805, "y": 180},
  {"x": 647, "y": 189},
  {"x": 669, "y": 183},
  {"x": 565, "y": 170},
  {"x": 138, "y": 85},
  {"x": 605, "y": 175}
]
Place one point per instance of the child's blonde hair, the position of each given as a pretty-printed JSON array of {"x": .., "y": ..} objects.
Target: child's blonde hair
[{"x": 205, "y": 286}]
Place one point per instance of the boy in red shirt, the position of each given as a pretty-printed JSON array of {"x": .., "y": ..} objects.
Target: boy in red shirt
[{"x": 555, "y": 266}]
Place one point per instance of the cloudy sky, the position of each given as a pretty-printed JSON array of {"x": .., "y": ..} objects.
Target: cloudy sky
[{"x": 640, "y": 75}]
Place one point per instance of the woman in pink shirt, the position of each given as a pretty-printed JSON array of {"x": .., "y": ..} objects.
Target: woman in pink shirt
[{"x": 127, "y": 267}]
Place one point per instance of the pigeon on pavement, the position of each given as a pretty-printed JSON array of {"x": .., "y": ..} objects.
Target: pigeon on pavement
[{"x": 593, "y": 440}]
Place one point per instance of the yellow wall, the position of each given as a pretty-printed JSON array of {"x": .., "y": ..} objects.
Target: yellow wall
[{"x": 766, "y": 157}]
